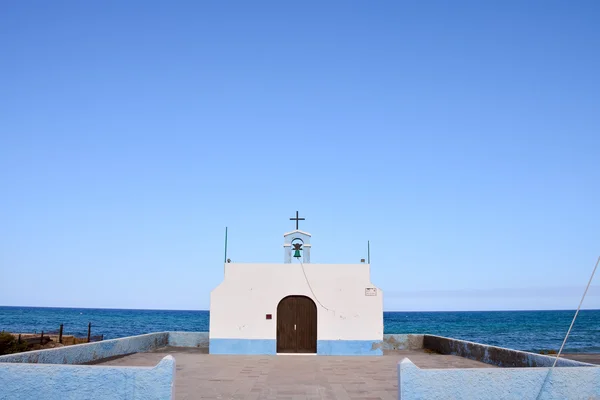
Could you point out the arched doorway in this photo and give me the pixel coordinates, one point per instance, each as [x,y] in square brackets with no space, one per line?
[296,325]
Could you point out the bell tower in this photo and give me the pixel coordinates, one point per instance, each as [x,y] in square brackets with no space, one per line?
[296,244]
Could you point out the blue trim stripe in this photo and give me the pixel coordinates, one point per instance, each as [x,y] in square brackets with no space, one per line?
[269,347]
[242,346]
[350,347]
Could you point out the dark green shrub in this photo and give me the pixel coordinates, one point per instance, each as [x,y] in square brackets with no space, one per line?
[9,344]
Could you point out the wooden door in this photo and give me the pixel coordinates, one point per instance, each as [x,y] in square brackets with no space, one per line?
[306,322]
[296,325]
[286,325]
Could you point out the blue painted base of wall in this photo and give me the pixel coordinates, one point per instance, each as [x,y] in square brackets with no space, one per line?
[350,347]
[242,346]
[269,347]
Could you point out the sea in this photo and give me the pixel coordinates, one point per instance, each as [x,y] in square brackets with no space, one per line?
[523,330]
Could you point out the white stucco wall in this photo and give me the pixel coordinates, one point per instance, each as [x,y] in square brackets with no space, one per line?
[238,306]
[415,383]
[75,382]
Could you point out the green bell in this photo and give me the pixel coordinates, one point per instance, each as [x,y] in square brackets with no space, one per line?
[297,248]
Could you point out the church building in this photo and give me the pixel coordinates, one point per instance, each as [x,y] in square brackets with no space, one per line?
[296,306]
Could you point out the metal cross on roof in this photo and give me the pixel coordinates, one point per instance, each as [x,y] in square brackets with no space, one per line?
[297,219]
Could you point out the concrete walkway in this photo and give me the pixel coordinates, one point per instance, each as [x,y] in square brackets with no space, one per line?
[293,377]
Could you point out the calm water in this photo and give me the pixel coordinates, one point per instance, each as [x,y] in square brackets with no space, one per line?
[524,330]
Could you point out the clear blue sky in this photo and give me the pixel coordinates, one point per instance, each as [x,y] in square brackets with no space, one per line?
[461,138]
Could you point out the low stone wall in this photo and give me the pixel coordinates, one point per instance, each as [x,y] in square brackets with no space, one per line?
[64,382]
[27,375]
[90,352]
[497,383]
[188,339]
[402,342]
[499,356]
[93,352]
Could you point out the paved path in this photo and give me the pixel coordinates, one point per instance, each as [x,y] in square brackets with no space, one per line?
[292,377]
[592,358]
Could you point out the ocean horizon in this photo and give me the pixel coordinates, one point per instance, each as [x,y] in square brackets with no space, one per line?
[529,330]
[385,311]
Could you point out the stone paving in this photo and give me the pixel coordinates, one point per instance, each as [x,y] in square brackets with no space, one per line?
[292,377]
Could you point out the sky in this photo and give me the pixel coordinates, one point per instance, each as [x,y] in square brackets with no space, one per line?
[460,138]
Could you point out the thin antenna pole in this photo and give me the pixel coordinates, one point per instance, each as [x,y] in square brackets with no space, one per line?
[368,252]
[576,312]
[225,261]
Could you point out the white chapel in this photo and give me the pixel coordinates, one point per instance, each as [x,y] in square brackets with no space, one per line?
[297,306]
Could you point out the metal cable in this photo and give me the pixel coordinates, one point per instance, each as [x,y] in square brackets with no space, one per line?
[311,289]
[569,331]
[576,312]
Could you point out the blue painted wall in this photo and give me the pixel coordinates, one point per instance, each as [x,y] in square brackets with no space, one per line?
[243,346]
[66,382]
[349,348]
[269,347]
[497,383]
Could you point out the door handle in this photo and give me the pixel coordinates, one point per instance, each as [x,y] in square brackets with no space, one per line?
[294,326]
